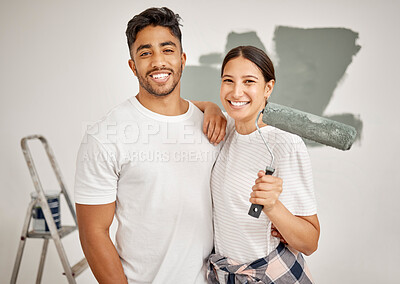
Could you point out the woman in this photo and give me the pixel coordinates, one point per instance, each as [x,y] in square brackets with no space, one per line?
[246,252]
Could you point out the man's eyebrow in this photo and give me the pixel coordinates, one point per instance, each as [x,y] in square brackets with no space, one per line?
[165,43]
[143,46]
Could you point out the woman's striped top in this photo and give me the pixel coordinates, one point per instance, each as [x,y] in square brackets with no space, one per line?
[238,235]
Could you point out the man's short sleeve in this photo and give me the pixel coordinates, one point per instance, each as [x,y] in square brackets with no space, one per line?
[96,177]
[298,188]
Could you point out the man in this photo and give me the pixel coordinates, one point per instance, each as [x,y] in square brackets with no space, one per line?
[149,163]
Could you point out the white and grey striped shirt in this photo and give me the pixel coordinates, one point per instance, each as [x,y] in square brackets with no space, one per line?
[238,235]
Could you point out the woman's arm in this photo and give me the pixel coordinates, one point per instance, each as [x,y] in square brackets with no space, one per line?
[214,124]
[300,232]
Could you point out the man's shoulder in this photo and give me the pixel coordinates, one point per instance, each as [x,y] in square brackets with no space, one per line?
[196,110]
[121,114]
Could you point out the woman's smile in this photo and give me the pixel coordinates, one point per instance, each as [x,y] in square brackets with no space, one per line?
[238,104]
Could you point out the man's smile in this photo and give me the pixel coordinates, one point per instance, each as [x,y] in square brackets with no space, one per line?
[160,76]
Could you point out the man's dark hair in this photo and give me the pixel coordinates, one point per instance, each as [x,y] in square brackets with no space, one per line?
[154,17]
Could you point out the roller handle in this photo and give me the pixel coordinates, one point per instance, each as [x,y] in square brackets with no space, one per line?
[256,209]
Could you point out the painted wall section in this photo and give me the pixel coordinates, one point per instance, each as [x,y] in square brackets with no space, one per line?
[310,64]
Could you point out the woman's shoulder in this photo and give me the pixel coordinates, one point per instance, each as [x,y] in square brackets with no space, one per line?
[284,140]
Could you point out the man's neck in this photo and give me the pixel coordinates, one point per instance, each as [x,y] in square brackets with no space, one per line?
[170,105]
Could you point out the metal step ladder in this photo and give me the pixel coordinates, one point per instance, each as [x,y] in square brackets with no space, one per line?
[54,234]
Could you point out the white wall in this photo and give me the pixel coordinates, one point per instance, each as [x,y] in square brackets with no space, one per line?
[64,63]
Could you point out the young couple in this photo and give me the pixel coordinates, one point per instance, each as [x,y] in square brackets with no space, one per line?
[173,198]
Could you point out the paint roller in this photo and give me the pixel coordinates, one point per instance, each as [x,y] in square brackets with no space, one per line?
[313,127]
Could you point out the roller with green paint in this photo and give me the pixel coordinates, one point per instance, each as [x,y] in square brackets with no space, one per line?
[310,126]
[313,127]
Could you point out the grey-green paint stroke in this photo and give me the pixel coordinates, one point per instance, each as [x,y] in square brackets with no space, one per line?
[311,64]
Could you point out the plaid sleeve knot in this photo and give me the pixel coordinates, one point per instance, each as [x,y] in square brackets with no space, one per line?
[284,265]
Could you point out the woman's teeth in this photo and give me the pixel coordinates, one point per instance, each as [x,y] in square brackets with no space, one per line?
[238,103]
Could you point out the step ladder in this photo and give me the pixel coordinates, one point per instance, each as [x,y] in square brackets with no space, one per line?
[54,234]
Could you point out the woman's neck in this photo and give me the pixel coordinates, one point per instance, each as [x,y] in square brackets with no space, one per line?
[249,126]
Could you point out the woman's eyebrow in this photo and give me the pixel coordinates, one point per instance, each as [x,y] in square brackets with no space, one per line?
[251,76]
[245,76]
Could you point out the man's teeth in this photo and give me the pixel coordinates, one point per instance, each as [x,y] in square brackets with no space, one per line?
[238,103]
[160,76]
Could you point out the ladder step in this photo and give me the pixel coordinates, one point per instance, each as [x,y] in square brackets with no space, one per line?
[79,267]
[63,231]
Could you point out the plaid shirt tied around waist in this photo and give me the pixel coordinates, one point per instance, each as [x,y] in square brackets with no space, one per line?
[282,266]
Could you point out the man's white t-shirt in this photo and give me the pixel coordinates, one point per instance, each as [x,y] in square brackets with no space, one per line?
[157,168]
[237,235]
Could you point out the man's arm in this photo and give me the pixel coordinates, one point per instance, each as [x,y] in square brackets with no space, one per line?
[214,125]
[94,222]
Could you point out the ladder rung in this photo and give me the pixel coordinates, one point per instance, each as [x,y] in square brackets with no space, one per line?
[65,230]
[79,267]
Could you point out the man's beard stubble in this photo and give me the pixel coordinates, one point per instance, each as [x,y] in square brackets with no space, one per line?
[144,83]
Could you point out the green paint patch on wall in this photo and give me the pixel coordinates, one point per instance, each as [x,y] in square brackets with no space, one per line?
[311,63]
